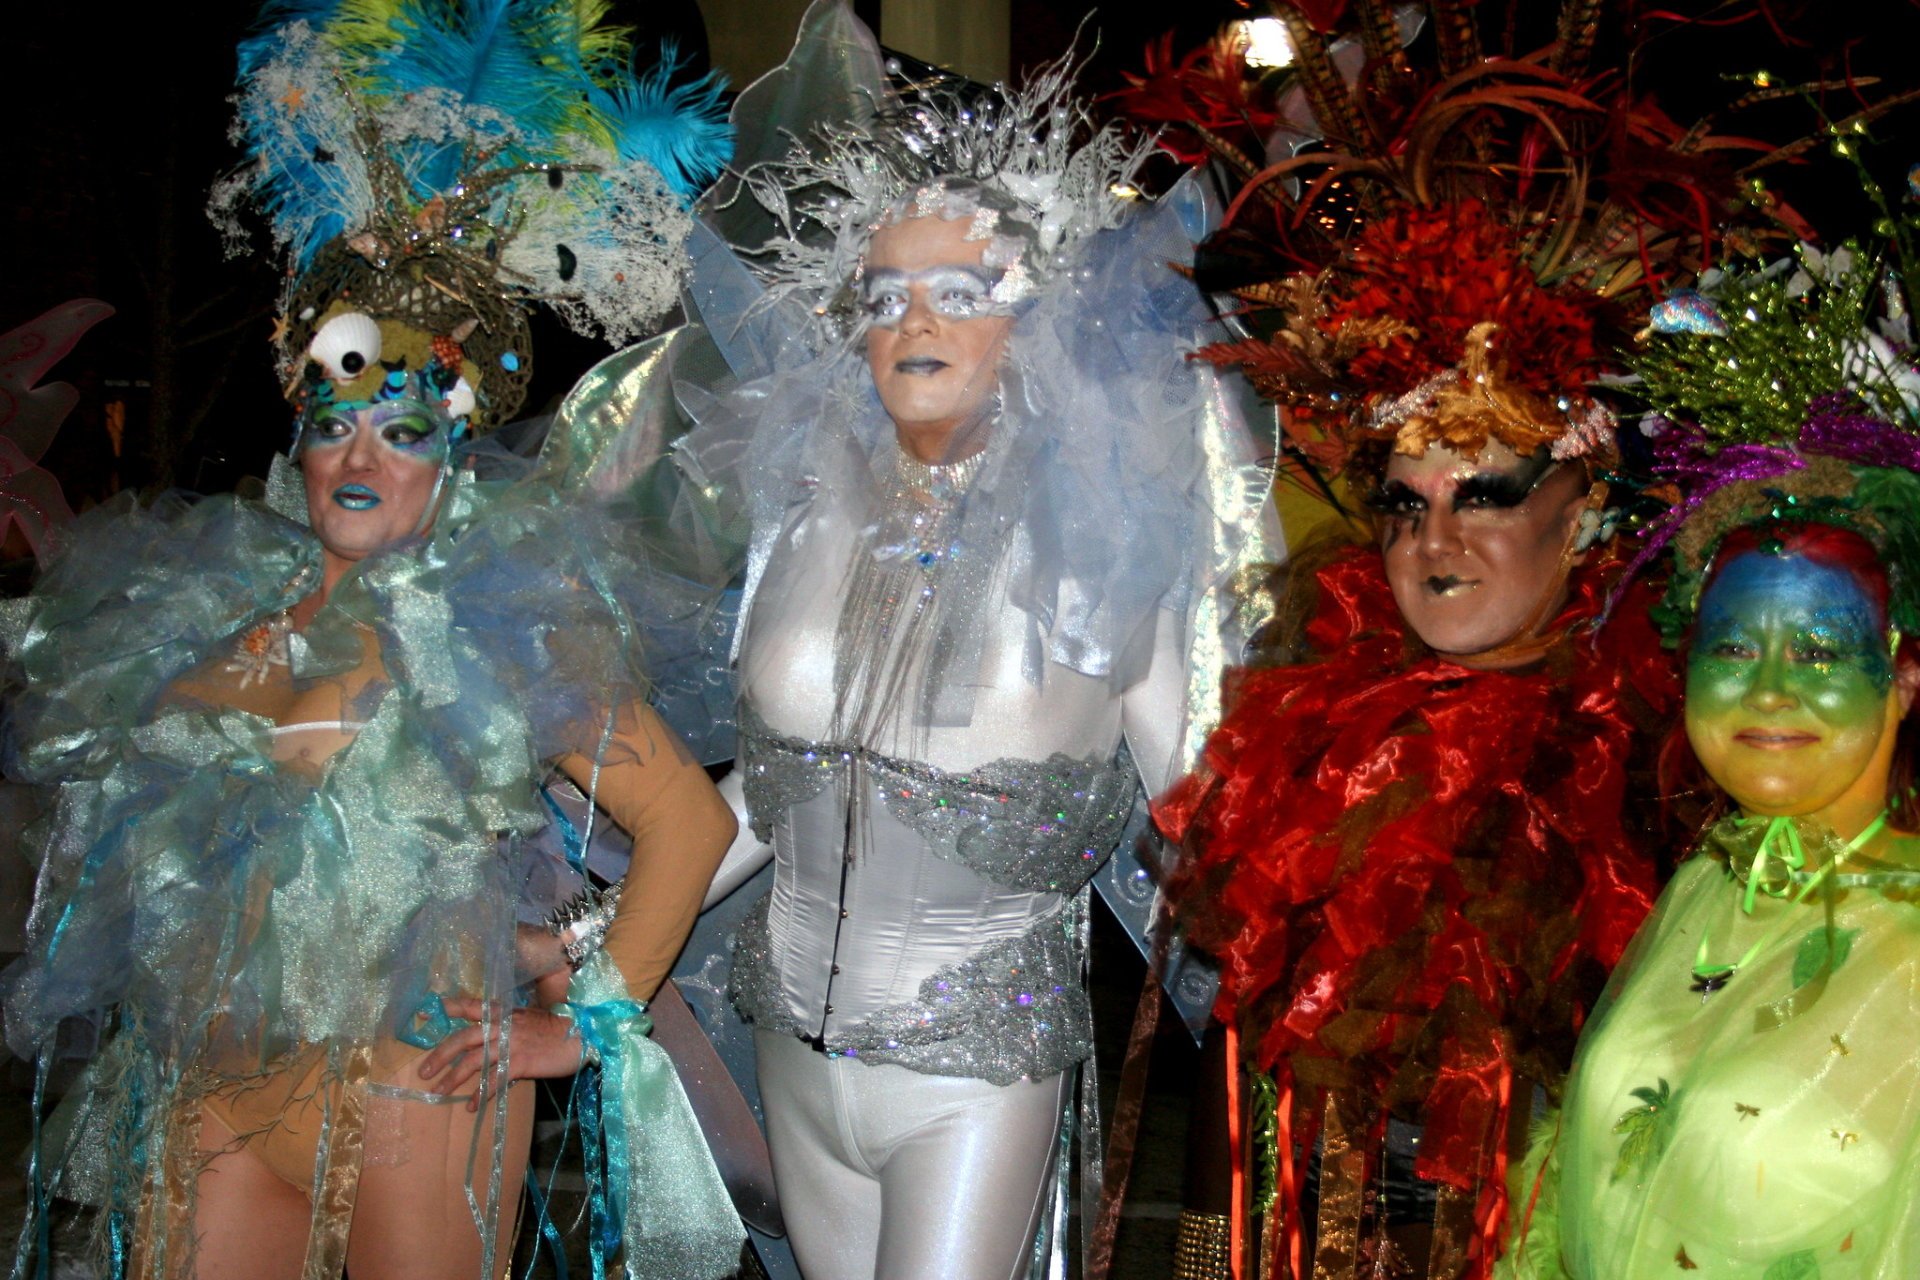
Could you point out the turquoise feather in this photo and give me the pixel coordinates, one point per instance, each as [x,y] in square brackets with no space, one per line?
[492,53]
[444,93]
[681,130]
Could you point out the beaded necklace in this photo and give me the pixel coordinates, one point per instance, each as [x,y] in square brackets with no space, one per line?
[892,589]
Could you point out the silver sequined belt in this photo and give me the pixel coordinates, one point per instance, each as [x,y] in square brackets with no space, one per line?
[1029,825]
[1014,1009]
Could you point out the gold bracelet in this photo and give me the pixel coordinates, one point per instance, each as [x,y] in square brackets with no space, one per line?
[1203,1249]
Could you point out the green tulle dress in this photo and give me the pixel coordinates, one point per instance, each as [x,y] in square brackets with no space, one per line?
[1769,1128]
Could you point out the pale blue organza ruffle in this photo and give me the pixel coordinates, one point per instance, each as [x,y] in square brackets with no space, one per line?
[200,910]
[1098,498]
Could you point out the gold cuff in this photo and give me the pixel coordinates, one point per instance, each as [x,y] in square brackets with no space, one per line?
[1203,1249]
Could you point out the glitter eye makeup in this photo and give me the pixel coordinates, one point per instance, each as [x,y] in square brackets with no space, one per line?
[1393,498]
[1489,489]
[330,427]
[1499,490]
[952,291]
[412,432]
[406,427]
[1806,614]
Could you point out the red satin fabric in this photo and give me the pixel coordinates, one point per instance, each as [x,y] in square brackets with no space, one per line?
[1415,872]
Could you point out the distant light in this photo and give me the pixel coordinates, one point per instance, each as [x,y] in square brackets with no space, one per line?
[1124,191]
[1265,41]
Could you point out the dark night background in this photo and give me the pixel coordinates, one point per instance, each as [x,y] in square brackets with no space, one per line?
[118,120]
[115,127]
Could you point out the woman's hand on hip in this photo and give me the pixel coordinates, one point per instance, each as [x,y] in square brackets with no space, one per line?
[542,1046]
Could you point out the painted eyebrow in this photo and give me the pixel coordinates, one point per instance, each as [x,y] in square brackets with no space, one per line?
[890,277]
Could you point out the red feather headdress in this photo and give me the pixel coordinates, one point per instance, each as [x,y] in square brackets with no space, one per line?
[1442,250]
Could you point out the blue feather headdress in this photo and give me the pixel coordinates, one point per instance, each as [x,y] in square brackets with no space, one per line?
[478,156]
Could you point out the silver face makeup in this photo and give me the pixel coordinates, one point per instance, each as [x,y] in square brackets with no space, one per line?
[952,290]
[935,350]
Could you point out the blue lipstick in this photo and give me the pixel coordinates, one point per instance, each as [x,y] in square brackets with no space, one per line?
[356,497]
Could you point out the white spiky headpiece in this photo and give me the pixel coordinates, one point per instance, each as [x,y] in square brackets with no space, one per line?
[1026,167]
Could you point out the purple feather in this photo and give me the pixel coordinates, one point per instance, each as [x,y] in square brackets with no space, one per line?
[1836,427]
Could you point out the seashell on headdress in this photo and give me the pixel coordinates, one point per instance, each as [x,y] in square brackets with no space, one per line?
[444,166]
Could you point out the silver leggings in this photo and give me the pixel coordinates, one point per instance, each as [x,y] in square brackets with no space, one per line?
[888,1174]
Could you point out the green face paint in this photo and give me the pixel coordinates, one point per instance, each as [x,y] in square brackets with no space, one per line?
[1787,682]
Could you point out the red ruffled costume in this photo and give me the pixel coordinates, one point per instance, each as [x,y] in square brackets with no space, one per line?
[1415,875]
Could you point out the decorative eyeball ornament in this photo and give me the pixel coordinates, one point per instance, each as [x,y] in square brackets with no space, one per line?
[356,360]
[346,345]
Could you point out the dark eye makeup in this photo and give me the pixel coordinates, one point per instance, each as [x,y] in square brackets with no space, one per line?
[405,432]
[1495,490]
[331,424]
[1481,491]
[1393,498]
[410,430]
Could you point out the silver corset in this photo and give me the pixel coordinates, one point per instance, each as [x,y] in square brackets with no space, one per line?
[974,969]
[1033,825]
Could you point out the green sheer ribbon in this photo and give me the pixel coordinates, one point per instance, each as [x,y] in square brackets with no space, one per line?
[1776,865]
[659,1183]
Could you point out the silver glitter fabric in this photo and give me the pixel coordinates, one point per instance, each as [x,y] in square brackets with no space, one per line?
[1014,1010]
[1027,169]
[1034,825]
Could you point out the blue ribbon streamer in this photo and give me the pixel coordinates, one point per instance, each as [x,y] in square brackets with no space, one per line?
[569,834]
[603,1229]
[652,1178]
[39,1230]
[549,1234]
